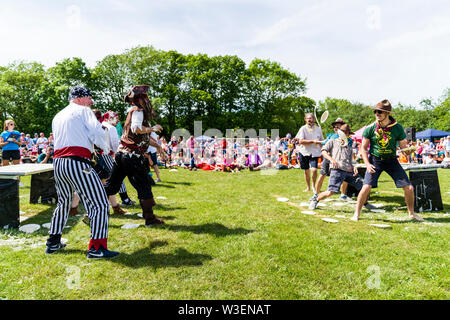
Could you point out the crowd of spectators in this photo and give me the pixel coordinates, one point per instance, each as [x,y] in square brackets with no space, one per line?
[233,155]
[38,149]
[228,154]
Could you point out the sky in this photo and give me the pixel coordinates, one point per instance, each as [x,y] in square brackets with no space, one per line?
[360,50]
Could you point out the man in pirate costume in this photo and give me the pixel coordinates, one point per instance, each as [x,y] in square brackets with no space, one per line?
[76,130]
[103,162]
[130,158]
[383,136]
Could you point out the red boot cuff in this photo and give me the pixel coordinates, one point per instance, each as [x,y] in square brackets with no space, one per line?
[96,243]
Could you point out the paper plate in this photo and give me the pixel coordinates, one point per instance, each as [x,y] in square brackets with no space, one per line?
[140,215]
[29,228]
[161,198]
[173,170]
[308,212]
[383,226]
[46,225]
[340,216]
[330,220]
[321,204]
[130,226]
[378,210]
[343,137]
[21,212]
[324,117]
[283,199]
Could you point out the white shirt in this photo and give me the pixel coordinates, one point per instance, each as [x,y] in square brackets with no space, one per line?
[136,120]
[152,149]
[307,133]
[77,126]
[113,137]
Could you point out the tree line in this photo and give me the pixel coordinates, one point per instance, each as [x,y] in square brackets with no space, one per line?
[221,91]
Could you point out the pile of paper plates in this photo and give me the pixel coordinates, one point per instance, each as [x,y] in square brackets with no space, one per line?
[330,220]
[29,228]
[283,199]
[130,226]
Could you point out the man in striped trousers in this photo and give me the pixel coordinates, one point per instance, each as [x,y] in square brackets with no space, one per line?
[76,130]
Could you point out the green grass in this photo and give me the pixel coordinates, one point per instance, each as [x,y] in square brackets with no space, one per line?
[227,237]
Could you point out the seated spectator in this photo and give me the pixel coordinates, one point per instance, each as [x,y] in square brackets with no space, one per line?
[27,157]
[46,156]
[283,162]
[402,158]
[429,159]
[253,160]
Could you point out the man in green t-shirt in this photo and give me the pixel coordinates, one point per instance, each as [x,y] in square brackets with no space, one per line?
[383,136]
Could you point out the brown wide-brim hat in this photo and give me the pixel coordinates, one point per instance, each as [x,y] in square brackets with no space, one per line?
[138,91]
[383,105]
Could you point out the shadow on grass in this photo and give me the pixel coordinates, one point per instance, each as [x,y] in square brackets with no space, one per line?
[145,258]
[388,199]
[177,182]
[163,186]
[215,229]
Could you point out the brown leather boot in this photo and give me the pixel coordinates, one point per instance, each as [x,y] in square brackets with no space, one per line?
[147,212]
[118,210]
[73,211]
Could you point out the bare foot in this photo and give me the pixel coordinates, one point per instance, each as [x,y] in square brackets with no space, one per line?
[307,190]
[354,218]
[416,217]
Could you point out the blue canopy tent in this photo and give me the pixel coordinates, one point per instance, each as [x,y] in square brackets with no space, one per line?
[431,134]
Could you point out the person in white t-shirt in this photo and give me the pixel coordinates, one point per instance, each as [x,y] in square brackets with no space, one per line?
[151,151]
[309,137]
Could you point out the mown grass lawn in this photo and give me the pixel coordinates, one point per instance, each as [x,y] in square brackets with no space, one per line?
[227,237]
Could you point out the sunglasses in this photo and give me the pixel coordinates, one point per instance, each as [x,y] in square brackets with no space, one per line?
[378,112]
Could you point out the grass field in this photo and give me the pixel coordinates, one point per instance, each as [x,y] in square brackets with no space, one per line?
[227,237]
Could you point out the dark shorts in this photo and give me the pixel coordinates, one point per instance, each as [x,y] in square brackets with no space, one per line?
[154,158]
[325,168]
[392,168]
[308,161]
[338,176]
[11,155]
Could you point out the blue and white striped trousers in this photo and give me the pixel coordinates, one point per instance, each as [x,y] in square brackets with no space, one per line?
[73,175]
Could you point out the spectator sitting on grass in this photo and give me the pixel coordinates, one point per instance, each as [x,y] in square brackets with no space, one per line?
[27,157]
[46,156]
[283,162]
[429,159]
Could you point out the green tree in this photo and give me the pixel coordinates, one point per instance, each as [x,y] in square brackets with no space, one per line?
[21,98]
[265,83]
